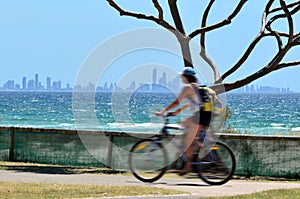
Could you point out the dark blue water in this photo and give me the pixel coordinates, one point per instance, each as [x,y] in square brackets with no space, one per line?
[262,114]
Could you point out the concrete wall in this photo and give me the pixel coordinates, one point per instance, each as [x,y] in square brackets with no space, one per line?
[255,155]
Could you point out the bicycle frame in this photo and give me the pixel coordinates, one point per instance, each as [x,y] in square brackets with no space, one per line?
[214,162]
[165,134]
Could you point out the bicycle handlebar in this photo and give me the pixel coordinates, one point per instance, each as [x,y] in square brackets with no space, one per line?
[169,114]
[172,126]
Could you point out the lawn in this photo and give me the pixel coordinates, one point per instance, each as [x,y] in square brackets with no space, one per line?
[16,190]
[272,194]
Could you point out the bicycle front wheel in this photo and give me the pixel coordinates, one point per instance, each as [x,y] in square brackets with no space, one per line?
[216,164]
[148,160]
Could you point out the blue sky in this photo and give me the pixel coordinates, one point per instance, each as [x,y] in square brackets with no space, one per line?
[54,38]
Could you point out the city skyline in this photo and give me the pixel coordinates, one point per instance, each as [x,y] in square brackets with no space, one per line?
[28,84]
[160,83]
[35,83]
[261,89]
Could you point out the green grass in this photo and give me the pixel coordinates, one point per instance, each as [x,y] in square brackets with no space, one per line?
[11,190]
[271,194]
[16,190]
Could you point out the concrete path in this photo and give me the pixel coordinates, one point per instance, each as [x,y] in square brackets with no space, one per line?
[194,186]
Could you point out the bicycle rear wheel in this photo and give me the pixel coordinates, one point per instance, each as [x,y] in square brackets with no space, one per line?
[217,164]
[148,160]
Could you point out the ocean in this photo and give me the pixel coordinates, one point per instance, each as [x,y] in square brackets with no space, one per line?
[260,114]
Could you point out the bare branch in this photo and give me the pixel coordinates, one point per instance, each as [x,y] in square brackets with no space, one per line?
[290,5]
[183,40]
[296,40]
[141,16]
[220,24]
[276,17]
[243,58]
[287,64]
[287,14]
[290,21]
[268,6]
[285,11]
[272,66]
[261,34]
[203,53]
[210,62]
[295,10]
[176,16]
[159,9]
[265,26]
[178,31]
[225,87]
[203,24]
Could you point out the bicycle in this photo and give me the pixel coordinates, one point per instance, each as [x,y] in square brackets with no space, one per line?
[214,161]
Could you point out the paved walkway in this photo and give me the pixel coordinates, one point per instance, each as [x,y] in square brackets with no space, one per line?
[195,187]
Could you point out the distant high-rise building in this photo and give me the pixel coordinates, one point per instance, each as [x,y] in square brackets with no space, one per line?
[55,85]
[24,83]
[10,84]
[36,81]
[132,86]
[48,83]
[41,87]
[154,76]
[111,87]
[59,85]
[30,84]
[105,87]
[17,86]
[163,79]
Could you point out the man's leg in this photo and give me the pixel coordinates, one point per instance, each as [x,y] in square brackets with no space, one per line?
[191,134]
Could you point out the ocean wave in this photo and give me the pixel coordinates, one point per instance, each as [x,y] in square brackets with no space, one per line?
[277,124]
[296,129]
[65,125]
[135,125]
[20,118]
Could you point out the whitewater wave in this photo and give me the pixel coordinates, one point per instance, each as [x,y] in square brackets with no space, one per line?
[296,129]
[20,118]
[146,125]
[277,124]
[65,125]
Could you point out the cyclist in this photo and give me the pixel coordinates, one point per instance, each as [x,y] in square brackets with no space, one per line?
[197,121]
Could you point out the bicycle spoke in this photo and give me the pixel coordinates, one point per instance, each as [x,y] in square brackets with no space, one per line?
[148,160]
[218,166]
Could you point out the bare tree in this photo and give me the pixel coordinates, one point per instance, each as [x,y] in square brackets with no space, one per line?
[285,40]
